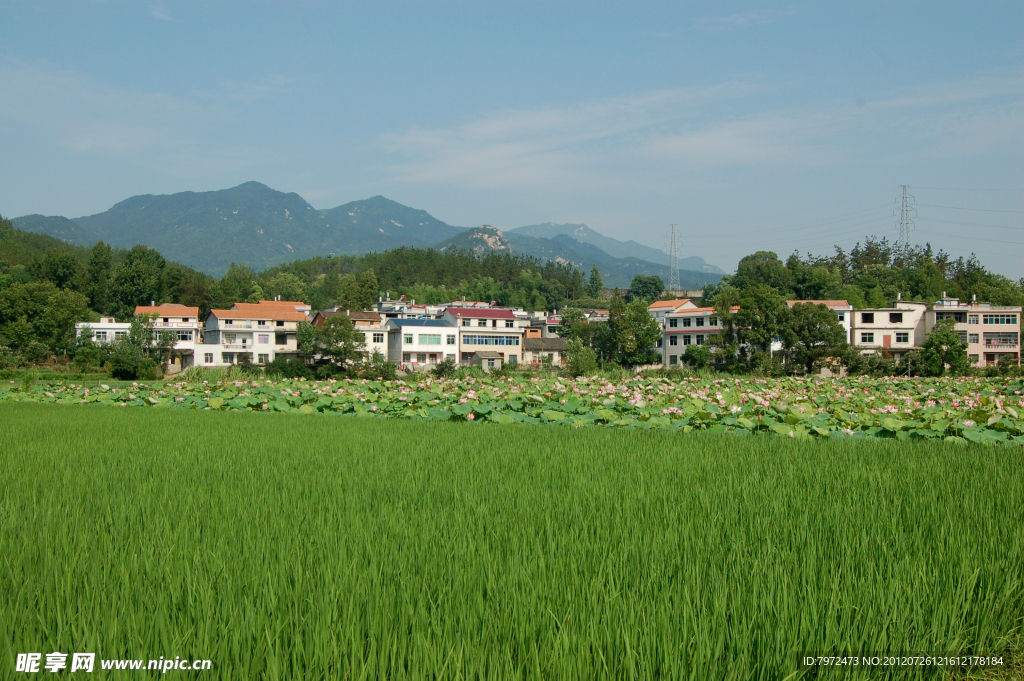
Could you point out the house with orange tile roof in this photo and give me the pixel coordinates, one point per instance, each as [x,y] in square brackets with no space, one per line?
[252,332]
[180,321]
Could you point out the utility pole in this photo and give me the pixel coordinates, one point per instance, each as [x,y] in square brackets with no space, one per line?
[906,223]
[673,261]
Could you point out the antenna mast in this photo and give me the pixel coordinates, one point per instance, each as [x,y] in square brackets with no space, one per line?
[673,261]
[906,223]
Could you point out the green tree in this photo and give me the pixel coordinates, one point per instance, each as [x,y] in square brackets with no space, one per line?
[596,283]
[813,333]
[646,288]
[579,359]
[635,333]
[763,267]
[725,345]
[762,315]
[944,352]
[697,356]
[339,342]
[58,266]
[138,280]
[97,278]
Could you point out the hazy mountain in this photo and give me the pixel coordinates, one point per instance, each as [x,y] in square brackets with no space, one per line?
[622,249]
[479,240]
[250,223]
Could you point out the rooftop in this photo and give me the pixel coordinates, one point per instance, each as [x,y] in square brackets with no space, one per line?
[168,310]
[667,304]
[399,323]
[254,311]
[487,354]
[473,313]
[550,344]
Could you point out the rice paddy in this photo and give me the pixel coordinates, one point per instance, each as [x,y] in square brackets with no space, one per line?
[285,547]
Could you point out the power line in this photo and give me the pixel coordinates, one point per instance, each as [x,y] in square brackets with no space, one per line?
[970,224]
[971,237]
[985,210]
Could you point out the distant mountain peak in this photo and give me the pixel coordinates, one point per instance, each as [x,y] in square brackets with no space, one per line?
[479,240]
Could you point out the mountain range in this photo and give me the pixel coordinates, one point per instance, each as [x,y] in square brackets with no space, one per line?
[262,227]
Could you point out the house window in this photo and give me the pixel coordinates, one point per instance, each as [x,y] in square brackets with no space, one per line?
[687,339]
[842,316]
[686,321]
[262,359]
[999,319]
[421,357]
[405,356]
[973,358]
[465,322]
[433,358]
[972,319]
[867,317]
[699,339]
[867,338]
[700,322]
[430,339]
[185,319]
[167,320]
[281,338]
[512,359]
[227,357]
[451,357]
[673,359]
[208,358]
[378,337]
[658,344]
[903,337]
[280,323]
[261,322]
[672,323]
[714,321]
[118,335]
[973,338]
[481,322]
[184,335]
[510,323]
[895,317]
[963,336]
[101,335]
[229,321]
[673,340]
[407,338]
[450,340]
[490,362]
[263,338]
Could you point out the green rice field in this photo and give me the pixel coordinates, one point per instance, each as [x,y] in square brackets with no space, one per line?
[280,546]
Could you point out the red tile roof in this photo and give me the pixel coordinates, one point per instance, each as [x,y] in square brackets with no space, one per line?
[660,304]
[168,310]
[276,314]
[471,313]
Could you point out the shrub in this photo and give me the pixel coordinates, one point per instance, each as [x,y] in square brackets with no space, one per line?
[580,360]
[123,362]
[378,366]
[288,368]
[444,369]
[697,356]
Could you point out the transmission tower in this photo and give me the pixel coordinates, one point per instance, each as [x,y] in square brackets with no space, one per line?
[673,260]
[907,215]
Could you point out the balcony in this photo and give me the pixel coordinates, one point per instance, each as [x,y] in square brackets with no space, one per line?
[1000,346]
[237,346]
[175,325]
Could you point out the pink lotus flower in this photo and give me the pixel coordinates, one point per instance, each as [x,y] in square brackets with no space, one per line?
[470,417]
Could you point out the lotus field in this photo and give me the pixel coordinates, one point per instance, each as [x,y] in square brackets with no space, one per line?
[979,410]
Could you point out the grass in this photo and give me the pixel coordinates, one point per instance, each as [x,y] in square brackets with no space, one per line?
[283,547]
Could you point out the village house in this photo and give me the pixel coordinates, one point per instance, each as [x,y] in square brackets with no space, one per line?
[990,331]
[252,332]
[893,330]
[418,344]
[541,351]
[494,329]
[683,323]
[181,321]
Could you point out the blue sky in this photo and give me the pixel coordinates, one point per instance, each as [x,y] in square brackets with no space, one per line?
[751,126]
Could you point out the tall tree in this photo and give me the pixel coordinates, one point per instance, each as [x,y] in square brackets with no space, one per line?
[811,334]
[98,275]
[944,352]
[646,288]
[596,283]
[762,315]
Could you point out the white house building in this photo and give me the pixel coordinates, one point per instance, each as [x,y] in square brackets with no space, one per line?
[491,329]
[180,320]
[419,344]
[251,332]
[894,330]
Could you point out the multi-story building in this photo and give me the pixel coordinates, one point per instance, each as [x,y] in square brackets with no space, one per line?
[181,321]
[251,332]
[990,331]
[894,330]
[683,323]
[494,329]
[418,344]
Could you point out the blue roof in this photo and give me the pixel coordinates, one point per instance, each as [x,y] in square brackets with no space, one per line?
[399,323]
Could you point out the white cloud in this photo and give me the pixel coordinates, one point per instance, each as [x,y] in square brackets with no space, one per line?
[642,139]
[742,19]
